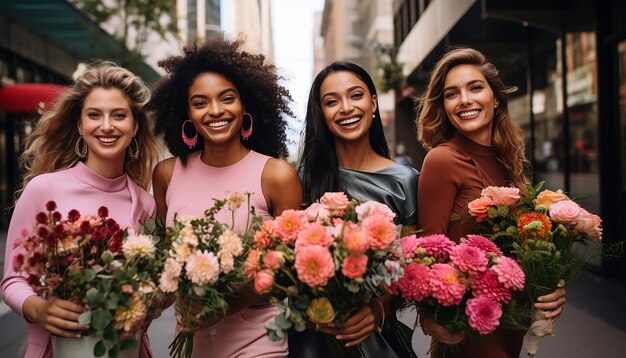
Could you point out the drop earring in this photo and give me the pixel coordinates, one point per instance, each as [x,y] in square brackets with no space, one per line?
[191,142]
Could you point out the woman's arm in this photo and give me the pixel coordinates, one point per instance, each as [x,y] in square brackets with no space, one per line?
[436,191]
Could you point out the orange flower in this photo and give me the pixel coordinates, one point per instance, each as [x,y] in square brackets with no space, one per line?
[534,226]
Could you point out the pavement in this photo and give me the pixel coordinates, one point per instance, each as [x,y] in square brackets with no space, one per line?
[592,325]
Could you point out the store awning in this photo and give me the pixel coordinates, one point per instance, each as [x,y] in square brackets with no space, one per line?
[29,97]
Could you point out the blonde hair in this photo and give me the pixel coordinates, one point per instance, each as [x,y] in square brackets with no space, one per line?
[434,128]
[51,145]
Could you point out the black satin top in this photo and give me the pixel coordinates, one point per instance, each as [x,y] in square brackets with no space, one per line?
[395,186]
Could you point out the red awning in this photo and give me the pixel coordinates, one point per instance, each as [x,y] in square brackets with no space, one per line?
[27,97]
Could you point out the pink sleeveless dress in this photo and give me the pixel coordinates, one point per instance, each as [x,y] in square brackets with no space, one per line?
[190,192]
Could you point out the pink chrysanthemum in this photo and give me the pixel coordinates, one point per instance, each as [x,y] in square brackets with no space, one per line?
[263,236]
[482,243]
[509,273]
[447,284]
[483,314]
[252,265]
[289,224]
[381,231]
[314,265]
[408,245]
[469,259]
[314,234]
[437,246]
[487,284]
[414,285]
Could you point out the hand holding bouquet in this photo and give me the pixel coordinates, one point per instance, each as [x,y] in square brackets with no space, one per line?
[328,260]
[203,267]
[540,231]
[88,260]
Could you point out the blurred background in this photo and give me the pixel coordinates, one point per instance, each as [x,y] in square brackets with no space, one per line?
[567,58]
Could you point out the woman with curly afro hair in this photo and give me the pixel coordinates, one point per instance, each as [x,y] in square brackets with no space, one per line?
[220,110]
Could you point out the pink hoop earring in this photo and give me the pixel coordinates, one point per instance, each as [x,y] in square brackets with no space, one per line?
[245,134]
[191,142]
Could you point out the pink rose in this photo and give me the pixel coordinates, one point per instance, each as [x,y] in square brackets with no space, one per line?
[565,212]
[355,239]
[478,208]
[589,224]
[371,208]
[274,260]
[354,266]
[317,212]
[336,202]
[501,195]
[263,281]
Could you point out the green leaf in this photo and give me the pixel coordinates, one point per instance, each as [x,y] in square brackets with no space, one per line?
[93,298]
[100,319]
[89,275]
[112,301]
[99,350]
[149,226]
[85,318]
[282,322]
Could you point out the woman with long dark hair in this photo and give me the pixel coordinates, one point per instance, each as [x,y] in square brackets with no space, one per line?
[345,150]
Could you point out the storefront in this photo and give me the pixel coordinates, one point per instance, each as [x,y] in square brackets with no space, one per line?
[568,60]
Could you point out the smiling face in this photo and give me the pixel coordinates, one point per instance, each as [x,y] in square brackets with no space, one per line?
[107,126]
[215,108]
[347,105]
[469,103]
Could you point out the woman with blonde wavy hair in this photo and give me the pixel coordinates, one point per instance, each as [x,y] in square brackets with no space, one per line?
[463,119]
[94,148]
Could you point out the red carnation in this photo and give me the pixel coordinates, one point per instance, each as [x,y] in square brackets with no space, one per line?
[112,225]
[84,228]
[42,232]
[103,212]
[115,246]
[73,215]
[99,235]
[18,261]
[56,216]
[51,205]
[42,218]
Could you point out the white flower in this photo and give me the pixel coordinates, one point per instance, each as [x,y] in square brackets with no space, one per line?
[235,200]
[227,262]
[231,243]
[138,245]
[202,268]
[180,251]
[168,283]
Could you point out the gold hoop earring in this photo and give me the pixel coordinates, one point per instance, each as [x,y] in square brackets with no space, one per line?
[80,150]
[133,154]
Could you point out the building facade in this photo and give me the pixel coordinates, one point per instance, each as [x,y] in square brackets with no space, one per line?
[568,61]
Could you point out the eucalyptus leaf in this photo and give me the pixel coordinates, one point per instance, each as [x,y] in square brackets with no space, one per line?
[99,350]
[85,318]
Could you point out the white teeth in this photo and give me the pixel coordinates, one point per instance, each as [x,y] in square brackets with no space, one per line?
[349,120]
[107,139]
[218,124]
[469,114]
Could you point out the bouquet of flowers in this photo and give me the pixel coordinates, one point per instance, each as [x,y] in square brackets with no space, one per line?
[91,261]
[466,287]
[328,260]
[204,268]
[540,231]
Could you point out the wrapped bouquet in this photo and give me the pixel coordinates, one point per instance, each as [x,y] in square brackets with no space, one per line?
[91,261]
[540,231]
[328,261]
[203,268]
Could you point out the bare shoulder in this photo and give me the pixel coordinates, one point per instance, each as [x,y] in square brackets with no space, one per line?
[279,172]
[163,171]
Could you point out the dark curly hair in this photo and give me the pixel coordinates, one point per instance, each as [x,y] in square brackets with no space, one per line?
[257,82]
